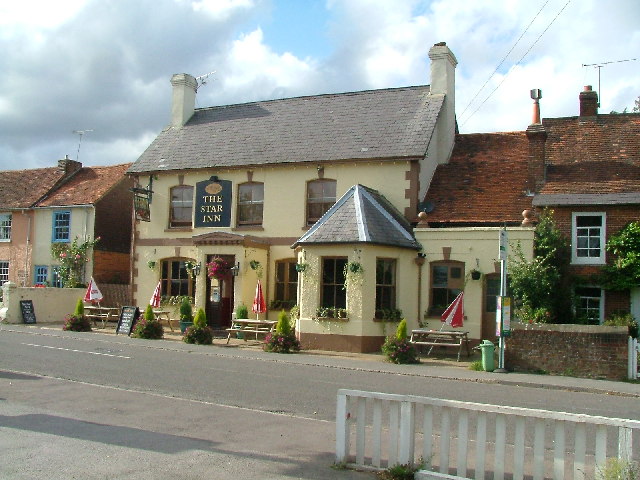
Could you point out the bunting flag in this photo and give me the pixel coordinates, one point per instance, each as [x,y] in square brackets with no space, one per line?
[454,314]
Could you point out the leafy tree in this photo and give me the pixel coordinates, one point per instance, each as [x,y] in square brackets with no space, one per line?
[624,273]
[542,287]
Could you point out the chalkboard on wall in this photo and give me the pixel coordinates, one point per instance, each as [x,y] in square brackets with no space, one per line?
[28,313]
[128,318]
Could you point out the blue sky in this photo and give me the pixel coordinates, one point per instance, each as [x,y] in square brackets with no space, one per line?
[105,65]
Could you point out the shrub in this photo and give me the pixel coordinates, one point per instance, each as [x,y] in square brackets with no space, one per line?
[242,311]
[398,349]
[186,311]
[149,327]
[199,333]
[77,323]
[616,469]
[283,340]
[624,320]
[79,311]
[400,472]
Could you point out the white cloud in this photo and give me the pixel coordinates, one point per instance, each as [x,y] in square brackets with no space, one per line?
[221,9]
[45,14]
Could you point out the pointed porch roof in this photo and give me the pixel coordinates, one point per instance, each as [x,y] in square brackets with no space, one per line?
[361,215]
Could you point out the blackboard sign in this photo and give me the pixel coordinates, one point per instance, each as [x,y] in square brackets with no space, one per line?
[28,313]
[128,318]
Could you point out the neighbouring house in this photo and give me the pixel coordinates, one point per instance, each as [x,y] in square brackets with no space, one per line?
[587,169]
[312,195]
[47,206]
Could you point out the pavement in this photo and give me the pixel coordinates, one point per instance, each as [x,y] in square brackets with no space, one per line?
[442,367]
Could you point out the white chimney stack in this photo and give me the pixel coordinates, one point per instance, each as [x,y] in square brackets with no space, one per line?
[443,82]
[184,98]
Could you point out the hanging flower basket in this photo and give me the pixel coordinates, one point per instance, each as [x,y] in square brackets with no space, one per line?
[218,268]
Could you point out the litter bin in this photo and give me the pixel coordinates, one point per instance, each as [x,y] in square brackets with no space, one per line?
[487,348]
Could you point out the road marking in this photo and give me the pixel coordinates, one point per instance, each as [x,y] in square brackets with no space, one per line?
[72,350]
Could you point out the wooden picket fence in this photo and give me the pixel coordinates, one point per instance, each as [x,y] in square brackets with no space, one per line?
[473,440]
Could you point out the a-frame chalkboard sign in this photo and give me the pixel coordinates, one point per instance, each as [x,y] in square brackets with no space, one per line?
[28,313]
[128,318]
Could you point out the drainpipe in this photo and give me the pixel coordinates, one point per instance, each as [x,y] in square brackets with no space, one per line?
[420,259]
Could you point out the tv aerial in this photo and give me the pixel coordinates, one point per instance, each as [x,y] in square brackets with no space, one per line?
[202,79]
[81,133]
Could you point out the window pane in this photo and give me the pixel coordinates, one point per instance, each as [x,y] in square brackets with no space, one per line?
[321,195]
[5,227]
[332,290]
[181,206]
[440,276]
[61,226]
[250,203]
[589,221]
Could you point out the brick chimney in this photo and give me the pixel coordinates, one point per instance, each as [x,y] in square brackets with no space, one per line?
[184,98]
[537,135]
[68,166]
[588,102]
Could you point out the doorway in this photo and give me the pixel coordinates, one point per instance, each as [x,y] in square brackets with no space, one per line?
[491,289]
[220,296]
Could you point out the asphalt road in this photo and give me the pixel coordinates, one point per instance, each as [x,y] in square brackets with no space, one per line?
[103,406]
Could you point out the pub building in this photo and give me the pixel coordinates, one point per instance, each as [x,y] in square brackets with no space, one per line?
[317,197]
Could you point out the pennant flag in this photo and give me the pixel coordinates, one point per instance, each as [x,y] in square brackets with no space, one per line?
[454,314]
[93,293]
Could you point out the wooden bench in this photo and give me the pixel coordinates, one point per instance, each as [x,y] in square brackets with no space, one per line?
[245,326]
[440,338]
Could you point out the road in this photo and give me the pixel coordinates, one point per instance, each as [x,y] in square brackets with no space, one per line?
[79,405]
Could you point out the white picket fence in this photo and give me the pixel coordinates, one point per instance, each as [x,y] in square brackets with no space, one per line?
[490,441]
[634,348]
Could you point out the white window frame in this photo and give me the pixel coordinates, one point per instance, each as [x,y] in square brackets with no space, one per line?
[574,239]
[5,226]
[601,305]
[4,271]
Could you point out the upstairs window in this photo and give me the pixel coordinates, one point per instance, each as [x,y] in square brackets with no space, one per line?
[588,238]
[385,284]
[333,293]
[447,281]
[61,226]
[321,195]
[5,227]
[250,203]
[181,209]
[286,284]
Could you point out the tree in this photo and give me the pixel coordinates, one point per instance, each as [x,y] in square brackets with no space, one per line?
[624,272]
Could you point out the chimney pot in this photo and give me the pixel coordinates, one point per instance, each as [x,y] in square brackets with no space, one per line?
[536,95]
[588,102]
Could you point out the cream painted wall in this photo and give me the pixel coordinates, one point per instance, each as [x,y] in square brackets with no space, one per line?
[82,226]
[477,248]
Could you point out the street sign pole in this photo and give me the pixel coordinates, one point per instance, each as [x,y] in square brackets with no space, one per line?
[504,304]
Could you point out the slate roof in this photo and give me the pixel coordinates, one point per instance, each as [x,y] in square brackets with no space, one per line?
[592,159]
[374,124]
[87,186]
[23,188]
[484,182]
[361,215]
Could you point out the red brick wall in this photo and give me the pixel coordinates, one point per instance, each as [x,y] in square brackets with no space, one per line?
[578,350]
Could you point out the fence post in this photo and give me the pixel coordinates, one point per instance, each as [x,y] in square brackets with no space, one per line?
[407,432]
[342,429]
[632,369]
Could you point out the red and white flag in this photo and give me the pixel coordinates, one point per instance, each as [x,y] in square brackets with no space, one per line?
[156,297]
[93,293]
[454,314]
[259,306]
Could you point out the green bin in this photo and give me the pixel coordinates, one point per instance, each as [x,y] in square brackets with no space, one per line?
[487,348]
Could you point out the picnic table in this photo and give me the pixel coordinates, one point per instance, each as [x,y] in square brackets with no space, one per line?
[104,314]
[163,314]
[440,338]
[246,326]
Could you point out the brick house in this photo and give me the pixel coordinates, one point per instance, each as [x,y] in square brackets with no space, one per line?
[587,169]
[43,206]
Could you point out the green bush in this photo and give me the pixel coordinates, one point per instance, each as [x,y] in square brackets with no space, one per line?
[149,327]
[186,311]
[283,340]
[200,320]
[283,327]
[79,311]
[624,320]
[398,349]
[242,311]
[616,469]
[200,336]
[77,323]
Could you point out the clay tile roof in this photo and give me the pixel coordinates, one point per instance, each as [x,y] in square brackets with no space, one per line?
[22,188]
[374,124]
[361,215]
[483,183]
[87,186]
[598,155]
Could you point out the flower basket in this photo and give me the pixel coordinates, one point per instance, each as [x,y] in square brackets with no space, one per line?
[218,268]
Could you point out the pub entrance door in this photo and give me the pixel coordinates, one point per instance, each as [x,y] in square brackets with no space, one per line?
[491,289]
[220,296]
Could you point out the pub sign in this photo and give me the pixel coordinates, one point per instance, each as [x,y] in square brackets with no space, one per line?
[213,203]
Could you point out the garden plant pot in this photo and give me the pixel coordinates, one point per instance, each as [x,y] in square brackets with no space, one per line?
[184,325]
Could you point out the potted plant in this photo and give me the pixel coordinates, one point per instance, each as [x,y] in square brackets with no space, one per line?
[283,340]
[475,274]
[186,314]
[218,268]
[199,332]
[301,267]
[241,312]
[77,322]
[149,327]
[398,349]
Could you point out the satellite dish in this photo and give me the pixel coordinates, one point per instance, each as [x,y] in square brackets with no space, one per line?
[426,207]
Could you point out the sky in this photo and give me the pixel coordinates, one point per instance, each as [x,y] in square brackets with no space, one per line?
[90,78]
